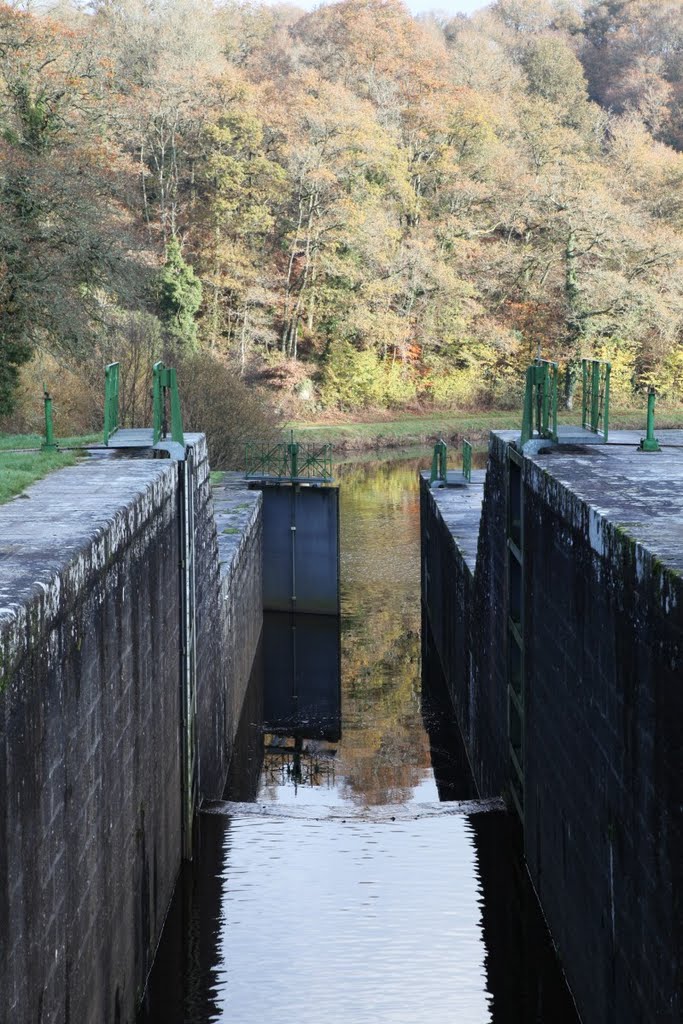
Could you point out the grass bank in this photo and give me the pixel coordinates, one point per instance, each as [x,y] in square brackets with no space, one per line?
[413,429]
[19,469]
[406,430]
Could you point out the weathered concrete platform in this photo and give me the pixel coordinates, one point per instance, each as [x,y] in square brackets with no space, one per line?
[235,507]
[460,508]
[639,492]
[78,518]
[134,437]
[577,435]
[553,599]
[141,440]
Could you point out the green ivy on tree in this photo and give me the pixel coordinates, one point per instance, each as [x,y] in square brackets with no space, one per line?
[180,296]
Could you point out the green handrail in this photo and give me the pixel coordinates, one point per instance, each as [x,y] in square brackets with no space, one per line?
[467,460]
[439,462]
[165,389]
[595,374]
[548,414]
[288,460]
[539,417]
[111,400]
[176,416]
[157,402]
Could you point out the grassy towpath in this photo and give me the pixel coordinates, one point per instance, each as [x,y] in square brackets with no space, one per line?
[408,429]
[20,468]
[405,430]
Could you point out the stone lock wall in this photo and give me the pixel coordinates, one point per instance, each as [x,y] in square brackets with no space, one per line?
[603,707]
[89,715]
[464,612]
[90,720]
[229,617]
[604,714]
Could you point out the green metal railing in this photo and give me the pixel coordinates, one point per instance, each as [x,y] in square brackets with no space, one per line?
[439,462]
[650,442]
[539,418]
[165,391]
[467,461]
[111,400]
[288,460]
[595,396]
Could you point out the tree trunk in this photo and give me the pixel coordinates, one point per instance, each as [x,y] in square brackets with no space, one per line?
[574,329]
[243,341]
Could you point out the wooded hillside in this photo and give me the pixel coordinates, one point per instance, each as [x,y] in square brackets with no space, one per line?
[352,206]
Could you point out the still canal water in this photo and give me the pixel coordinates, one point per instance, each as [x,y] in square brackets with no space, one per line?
[344,883]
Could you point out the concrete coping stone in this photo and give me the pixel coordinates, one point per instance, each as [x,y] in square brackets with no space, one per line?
[65,528]
[236,507]
[57,518]
[460,510]
[615,488]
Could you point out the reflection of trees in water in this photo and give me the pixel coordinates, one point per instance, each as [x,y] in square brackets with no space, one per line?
[297,762]
[384,750]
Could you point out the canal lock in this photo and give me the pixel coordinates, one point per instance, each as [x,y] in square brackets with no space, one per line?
[351,873]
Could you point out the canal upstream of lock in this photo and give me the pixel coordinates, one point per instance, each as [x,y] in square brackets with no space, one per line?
[352,875]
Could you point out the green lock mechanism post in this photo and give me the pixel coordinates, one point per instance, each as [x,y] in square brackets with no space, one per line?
[649,443]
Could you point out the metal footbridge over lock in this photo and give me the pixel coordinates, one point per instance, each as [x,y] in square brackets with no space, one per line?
[539,416]
[288,462]
[166,432]
[440,474]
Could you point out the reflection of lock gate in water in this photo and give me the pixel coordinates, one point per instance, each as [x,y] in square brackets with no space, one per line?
[302,676]
[299,764]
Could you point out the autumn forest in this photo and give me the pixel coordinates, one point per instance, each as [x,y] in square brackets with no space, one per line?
[350,208]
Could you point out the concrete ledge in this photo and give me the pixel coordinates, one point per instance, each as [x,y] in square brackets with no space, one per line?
[460,511]
[63,531]
[236,509]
